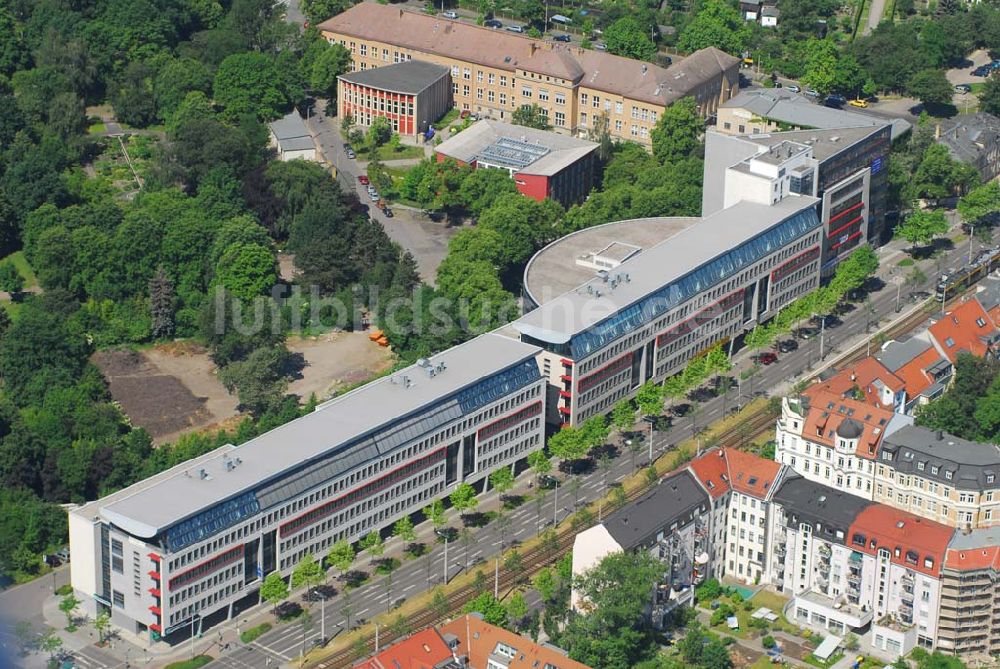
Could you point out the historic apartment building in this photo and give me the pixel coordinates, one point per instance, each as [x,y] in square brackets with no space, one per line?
[493,72]
[187,547]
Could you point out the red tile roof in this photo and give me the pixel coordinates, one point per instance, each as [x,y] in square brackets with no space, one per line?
[827,411]
[914,373]
[962,329]
[973,558]
[909,539]
[862,375]
[422,650]
[712,471]
[723,469]
[484,640]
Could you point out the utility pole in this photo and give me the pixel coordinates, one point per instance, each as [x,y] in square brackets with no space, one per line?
[444,535]
[555,506]
[972,231]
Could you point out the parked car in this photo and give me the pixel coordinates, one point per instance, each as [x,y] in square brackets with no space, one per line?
[515,29]
[373,194]
[765,358]
[492,23]
[600,46]
[787,346]
[963,88]
[387,212]
[450,14]
[63,554]
[464,114]
[561,38]
[858,103]
[793,88]
[349,152]
[835,100]
[812,92]
[51,561]
[363,180]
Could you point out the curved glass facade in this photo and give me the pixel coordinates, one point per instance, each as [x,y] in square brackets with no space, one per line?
[721,268]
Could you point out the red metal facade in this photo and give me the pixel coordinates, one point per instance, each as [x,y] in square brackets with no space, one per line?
[532,185]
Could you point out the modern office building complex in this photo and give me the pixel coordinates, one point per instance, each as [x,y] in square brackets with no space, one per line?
[623,303]
[193,542]
[494,72]
[542,164]
[846,168]
[411,95]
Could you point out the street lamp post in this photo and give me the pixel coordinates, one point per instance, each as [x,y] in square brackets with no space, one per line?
[444,535]
[555,506]
[972,232]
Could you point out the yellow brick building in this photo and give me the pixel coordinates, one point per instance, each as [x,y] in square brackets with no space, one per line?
[493,72]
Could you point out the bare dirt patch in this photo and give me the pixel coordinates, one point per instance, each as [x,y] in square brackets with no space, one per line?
[168,390]
[335,360]
[174,388]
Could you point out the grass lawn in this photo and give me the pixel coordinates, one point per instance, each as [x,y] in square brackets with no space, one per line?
[193,663]
[762,662]
[96,128]
[24,269]
[816,662]
[406,151]
[450,117]
[13,309]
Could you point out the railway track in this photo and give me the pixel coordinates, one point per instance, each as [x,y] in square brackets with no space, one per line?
[754,423]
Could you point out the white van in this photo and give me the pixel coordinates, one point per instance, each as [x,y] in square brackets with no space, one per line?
[561,20]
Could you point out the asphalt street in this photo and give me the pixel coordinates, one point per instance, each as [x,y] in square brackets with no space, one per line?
[285,642]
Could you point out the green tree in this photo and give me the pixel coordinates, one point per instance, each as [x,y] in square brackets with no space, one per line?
[274,589]
[11,280]
[492,610]
[623,415]
[341,556]
[68,606]
[403,529]
[308,573]
[531,116]
[51,644]
[931,87]
[250,83]
[989,96]
[595,431]
[372,542]
[627,37]
[379,131]
[649,397]
[569,443]
[101,625]
[540,463]
[434,512]
[259,381]
[330,64]
[614,594]
[922,226]
[517,609]
[463,498]
[939,175]
[980,202]
[717,24]
[502,480]
[247,270]
[692,645]
[678,131]
[175,80]
[716,655]
[481,189]
[546,584]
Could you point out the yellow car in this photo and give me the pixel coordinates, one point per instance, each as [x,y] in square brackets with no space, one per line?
[858,103]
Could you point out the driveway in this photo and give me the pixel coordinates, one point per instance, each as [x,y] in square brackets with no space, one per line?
[963,74]
[413,230]
[874,16]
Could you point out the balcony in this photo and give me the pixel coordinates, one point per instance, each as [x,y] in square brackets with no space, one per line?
[156,610]
[780,550]
[155,575]
[855,557]
[824,550]
[155,592]
[908,578]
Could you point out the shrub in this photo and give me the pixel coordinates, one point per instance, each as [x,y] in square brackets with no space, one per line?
[768,642]
[720,614]
[748,605]
[253,633]
[193,663]
[64,590]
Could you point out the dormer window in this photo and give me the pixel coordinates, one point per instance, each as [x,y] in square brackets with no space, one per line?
[947,475]
[949,342]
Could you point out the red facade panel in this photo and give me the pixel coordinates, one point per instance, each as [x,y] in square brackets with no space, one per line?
[532,185]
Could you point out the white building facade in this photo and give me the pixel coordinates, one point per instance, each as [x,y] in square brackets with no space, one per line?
[191,546]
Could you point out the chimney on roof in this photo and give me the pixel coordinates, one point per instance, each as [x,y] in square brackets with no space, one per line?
[534,47]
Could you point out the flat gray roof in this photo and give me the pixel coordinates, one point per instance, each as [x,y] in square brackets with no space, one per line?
[672,500]
[898,353]
[552,152]
[150,506]
[289,126]
[781,104]
[410,77]
[986,537]
[967,462]
[825,142]
[686,250]
[553,270]
[297,144]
